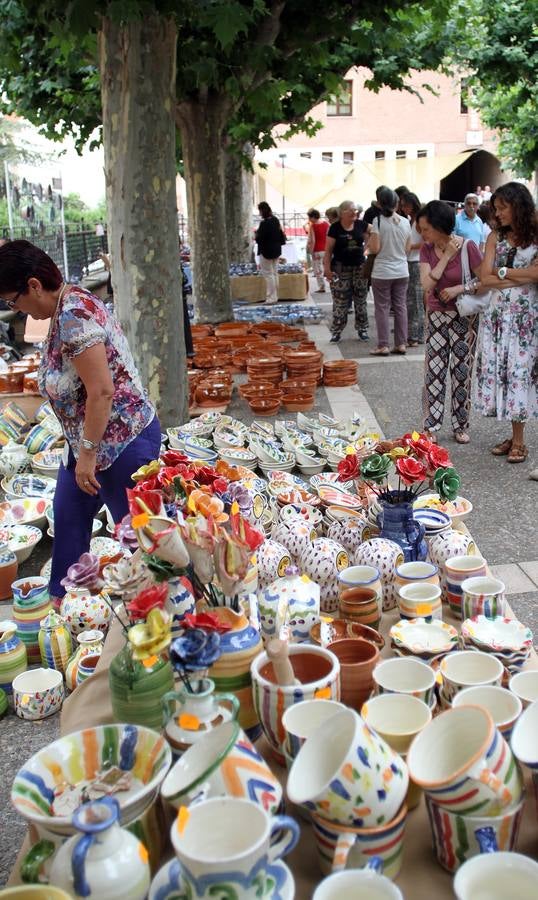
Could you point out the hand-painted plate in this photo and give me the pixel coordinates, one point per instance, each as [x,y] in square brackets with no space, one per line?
[333,496]
[497,633]
[422,637]
[28,486]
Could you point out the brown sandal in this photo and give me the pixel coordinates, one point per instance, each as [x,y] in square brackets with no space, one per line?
[503,448]
[518,453]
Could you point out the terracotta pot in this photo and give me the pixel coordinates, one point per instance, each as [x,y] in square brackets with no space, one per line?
[358,659]
[200,330]
[304,386]
[360,605]
[11,382]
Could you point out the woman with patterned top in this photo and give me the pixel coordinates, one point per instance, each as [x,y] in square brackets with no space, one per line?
[507,358]
[90,379]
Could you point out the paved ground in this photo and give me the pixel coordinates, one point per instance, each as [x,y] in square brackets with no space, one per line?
[503,520]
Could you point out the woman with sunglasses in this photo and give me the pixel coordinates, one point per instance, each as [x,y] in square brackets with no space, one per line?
[90,379]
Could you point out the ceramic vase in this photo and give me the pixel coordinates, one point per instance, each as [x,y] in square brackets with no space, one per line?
[83,610]
[86,667]
[31,603]
[231,672]
[189,717]
[293,601]
[322,561]
[398,525]
[13,655]
[54,642]
[385,556]
[180,601]
[317,674]
[8,571]
[103,860]
[137,688]
[90,643]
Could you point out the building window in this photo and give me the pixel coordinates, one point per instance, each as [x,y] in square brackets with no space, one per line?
[341,104]
[349,156]
[307,154]
[379,154]
[401,154]
[327,156]
[422,154]
[464,96]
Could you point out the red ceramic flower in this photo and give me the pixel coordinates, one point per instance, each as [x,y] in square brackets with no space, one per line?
[349,467]
[245,532]
[420,448]
[438,457]
[208,621]
[173,457]
[141,500]
[220,485]
[151,598]
[410,470]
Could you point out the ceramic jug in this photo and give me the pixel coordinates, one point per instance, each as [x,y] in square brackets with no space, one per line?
[13,656]
[31,603]
[179,602]
[189,717]
[137,688]
[54,642]
[103,861]
[292,601]
[90,643]
[82,610]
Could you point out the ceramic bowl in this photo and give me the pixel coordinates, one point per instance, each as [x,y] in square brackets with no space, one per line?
[525,686]
[47,462]
[21,486]
[30,511]
[76,759]
[22,539]
[524,742]
[423,638]
[457,509]
[503,706]
[498,633]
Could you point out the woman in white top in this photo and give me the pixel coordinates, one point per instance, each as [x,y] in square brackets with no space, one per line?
[390,240]
[410,206]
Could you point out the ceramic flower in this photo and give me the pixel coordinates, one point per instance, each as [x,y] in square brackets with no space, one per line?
[438,457]
[173,458]
[349,467]
[232,558]
[125,534]
[242,496]
[150,637]
[206,620]
[195,650]
[153,597]
[152,468]
[209,506]
[410,470]
[84,574]
[141,500]
[244,531]
[375,467]
[199,535]
[127,577]
[447,483]
[418,443]
[398,452]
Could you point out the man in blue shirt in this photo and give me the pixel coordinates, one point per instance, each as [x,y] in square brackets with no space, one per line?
[468,224]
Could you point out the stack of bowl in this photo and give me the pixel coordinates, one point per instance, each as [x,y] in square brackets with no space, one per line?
[301,363]
[340,373]
[507,639]
[265,368]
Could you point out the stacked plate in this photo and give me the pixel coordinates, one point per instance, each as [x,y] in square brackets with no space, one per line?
[423,638]
[507,639]
[265,368]
[301,363]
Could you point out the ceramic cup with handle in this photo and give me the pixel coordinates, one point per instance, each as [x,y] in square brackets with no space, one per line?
[469,668]
[358,884]
[483,595]
[232,843]
[462,762]
[503,706]
[398,718]
[405,676]
[343,759]
[457,570]
[222,763]
[301,720]
[496,875]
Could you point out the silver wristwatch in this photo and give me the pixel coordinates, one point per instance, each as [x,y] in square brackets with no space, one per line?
[88,445]
[502,272]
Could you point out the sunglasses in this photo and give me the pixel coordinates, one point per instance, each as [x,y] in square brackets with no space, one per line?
[11,303]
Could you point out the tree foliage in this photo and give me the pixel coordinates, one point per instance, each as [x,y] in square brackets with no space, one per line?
[496,44]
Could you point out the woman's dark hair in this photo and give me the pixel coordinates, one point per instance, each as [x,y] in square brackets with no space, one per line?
[388,201]
[440,215]
[378,190]
[21,260]
[402,190]
[264,210]
[485,213]
[313,214]
[524,225]
[411,200]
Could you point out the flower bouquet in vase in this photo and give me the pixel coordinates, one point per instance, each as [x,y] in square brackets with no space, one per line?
[396,473]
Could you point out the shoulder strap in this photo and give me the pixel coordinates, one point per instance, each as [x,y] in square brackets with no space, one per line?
[465,267]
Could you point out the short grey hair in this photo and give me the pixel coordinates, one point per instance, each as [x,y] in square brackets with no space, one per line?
[345,204]
[469,196]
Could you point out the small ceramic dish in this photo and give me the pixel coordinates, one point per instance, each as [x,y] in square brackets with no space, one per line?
[47,462]
[333,496]
[21,539]
[28,486]
[497,633]
[457,509]
[422,637]
[331,479]
[305,511]
[328,630]
[314,469]
[434,520]
[30,511]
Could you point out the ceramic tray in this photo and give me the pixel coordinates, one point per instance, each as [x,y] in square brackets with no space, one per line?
[421,637]
[28,486]
[497,633]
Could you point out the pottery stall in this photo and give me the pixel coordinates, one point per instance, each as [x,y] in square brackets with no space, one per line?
[296,624]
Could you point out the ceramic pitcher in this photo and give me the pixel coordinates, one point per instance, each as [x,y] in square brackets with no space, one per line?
[137,689]
[54,642]
[13,656]
[90,643]
[82,610]
[189,717]
[31,603]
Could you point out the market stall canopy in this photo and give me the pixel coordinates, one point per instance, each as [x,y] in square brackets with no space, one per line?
[326,184]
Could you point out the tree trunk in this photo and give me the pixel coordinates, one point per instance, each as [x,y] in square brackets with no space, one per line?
[239,200]
[138,77]
[202,123]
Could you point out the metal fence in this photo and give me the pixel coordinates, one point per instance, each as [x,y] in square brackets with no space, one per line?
[81,243]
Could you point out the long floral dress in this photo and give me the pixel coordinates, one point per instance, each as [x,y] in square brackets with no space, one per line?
[507,356]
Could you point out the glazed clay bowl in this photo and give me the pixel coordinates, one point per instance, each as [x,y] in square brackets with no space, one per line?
[325,633]
[267,407]
[298,402]
[77,758]
[257,389]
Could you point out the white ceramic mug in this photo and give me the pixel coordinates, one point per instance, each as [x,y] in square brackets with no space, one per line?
[233,843]
[525,686]
[405,676]
[497,876]
[420,600]
[469,668]
[357,884]
[416,572]
[482,595]
[398,718]
[38,693]
[301,720]
[503,706]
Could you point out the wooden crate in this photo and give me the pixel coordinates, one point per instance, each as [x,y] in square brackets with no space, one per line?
[248,287]
[293,287]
